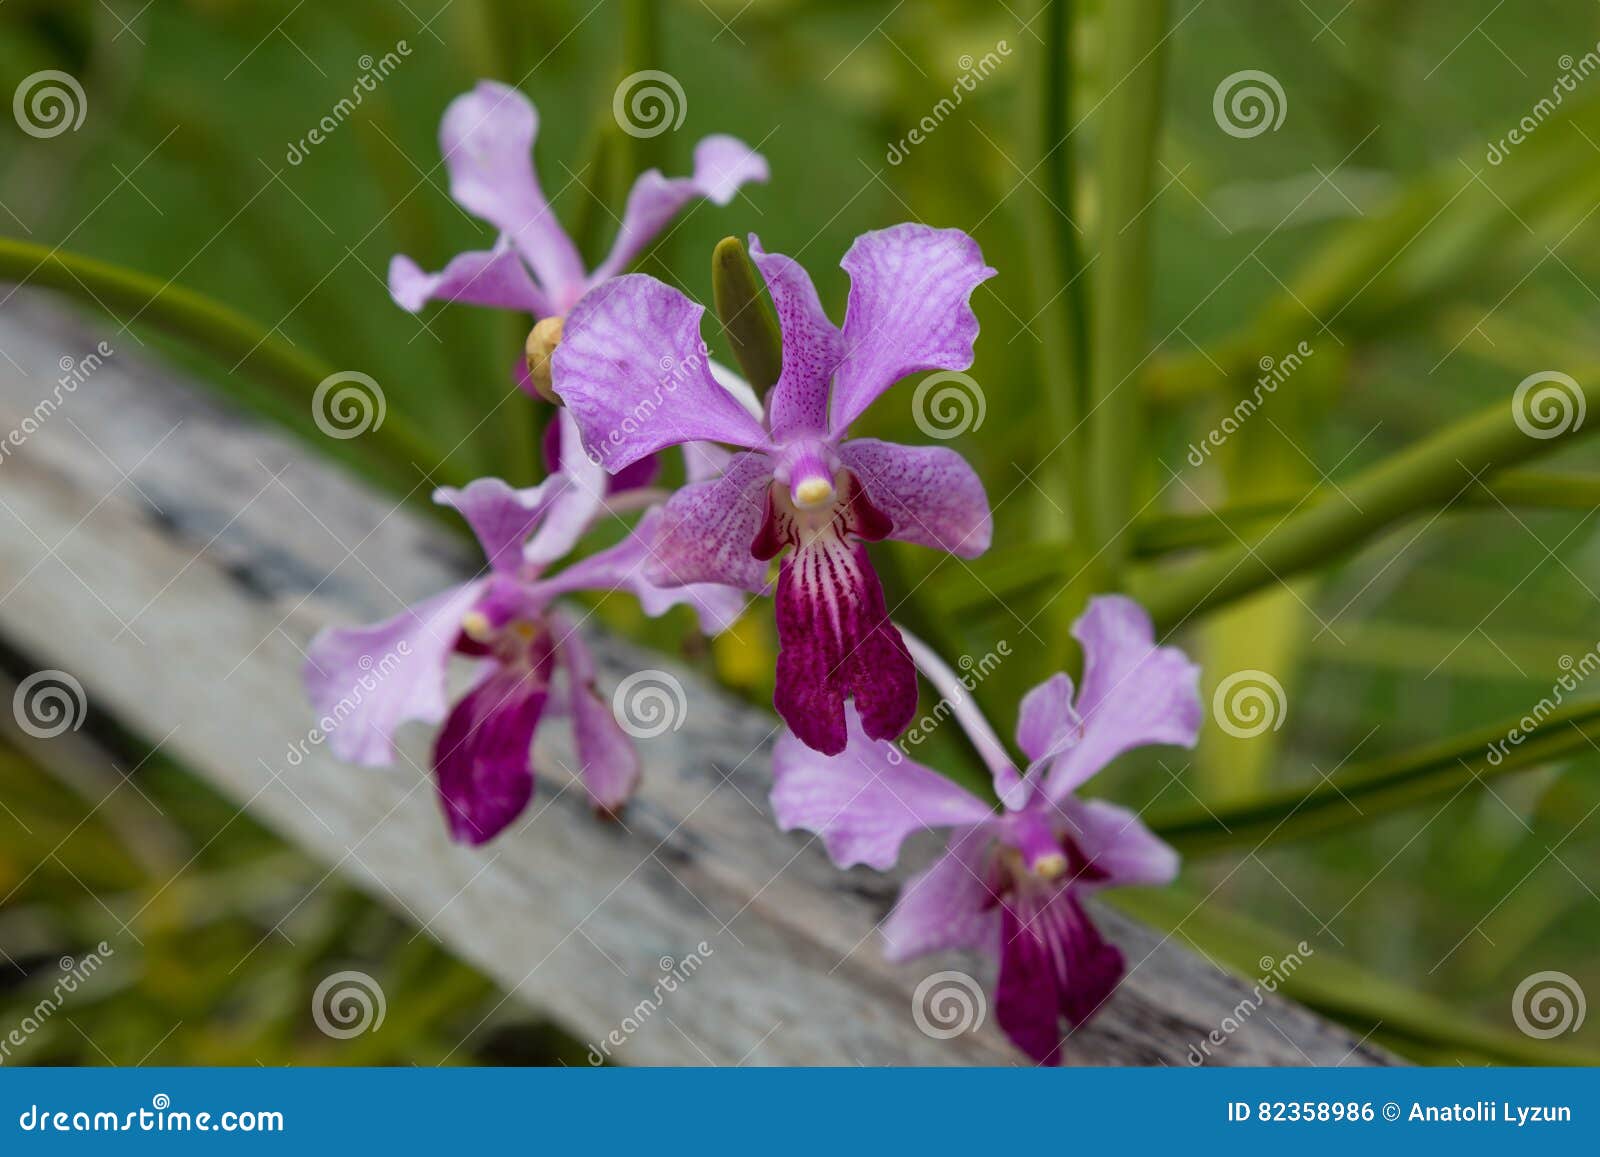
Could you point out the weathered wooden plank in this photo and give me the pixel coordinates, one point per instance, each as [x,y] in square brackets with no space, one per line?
[175,557]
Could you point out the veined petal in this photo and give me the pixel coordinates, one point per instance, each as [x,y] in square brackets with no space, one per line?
[608,763]
[487,137]
[1134,693]
[482,758]
[930,494]
[707,529]
[1047,723]
[366,682]
[908,311]
[642,473]
[493,277]
[632,369]
[499,515]
[947,905]
[1115,841]
[812,347]
[866,800]
[1054,965]
[627,566]
[836,642]
[721,165]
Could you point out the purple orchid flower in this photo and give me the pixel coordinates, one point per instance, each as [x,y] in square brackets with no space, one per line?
[487,139]
[632,369]
[366,682]
[1012,881]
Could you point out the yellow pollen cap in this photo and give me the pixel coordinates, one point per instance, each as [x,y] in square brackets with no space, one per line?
[1050,866]
[476,625]
[813,492]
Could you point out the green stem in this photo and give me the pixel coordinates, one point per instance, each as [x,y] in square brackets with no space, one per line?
[1525,489]
[1427,476]
[210,326]
[1377,788]
[1130,131]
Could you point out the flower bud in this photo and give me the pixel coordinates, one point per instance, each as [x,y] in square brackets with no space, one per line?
[540,350]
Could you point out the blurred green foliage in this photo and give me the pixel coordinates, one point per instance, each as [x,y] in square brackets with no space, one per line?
[1372,225]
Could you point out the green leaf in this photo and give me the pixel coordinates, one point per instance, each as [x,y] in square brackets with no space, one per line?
[748,321]
[1379,787]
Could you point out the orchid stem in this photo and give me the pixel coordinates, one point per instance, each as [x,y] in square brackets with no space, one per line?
[1431,475]
[214,328]
[1130,131]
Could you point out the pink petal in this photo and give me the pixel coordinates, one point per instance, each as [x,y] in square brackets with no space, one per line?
[812,347]
[1134,693]
[707,529]
[866,800]
[482,758]
[632,369]
[500,516]
[930,494]
[1123,851]
[721,165]
[628,565]
[608,762]
[494,277]
[1047,724]
[908,311]
[577,500]
[1054,965]
[948,905]
[487,136]
[366,682]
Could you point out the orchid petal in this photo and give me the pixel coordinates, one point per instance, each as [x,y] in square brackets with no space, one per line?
[631,368]
[366,682]
[1123,852]
[947,905]
[493,277]
[499,515]
[812,347]
[707,528]
[487,137]
[930,494]
[721,165]
[1134,693]
[908,311]
[608,763]
[865,801]
[578,500]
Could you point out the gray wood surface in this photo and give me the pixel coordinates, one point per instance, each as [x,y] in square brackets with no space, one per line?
[175,557]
